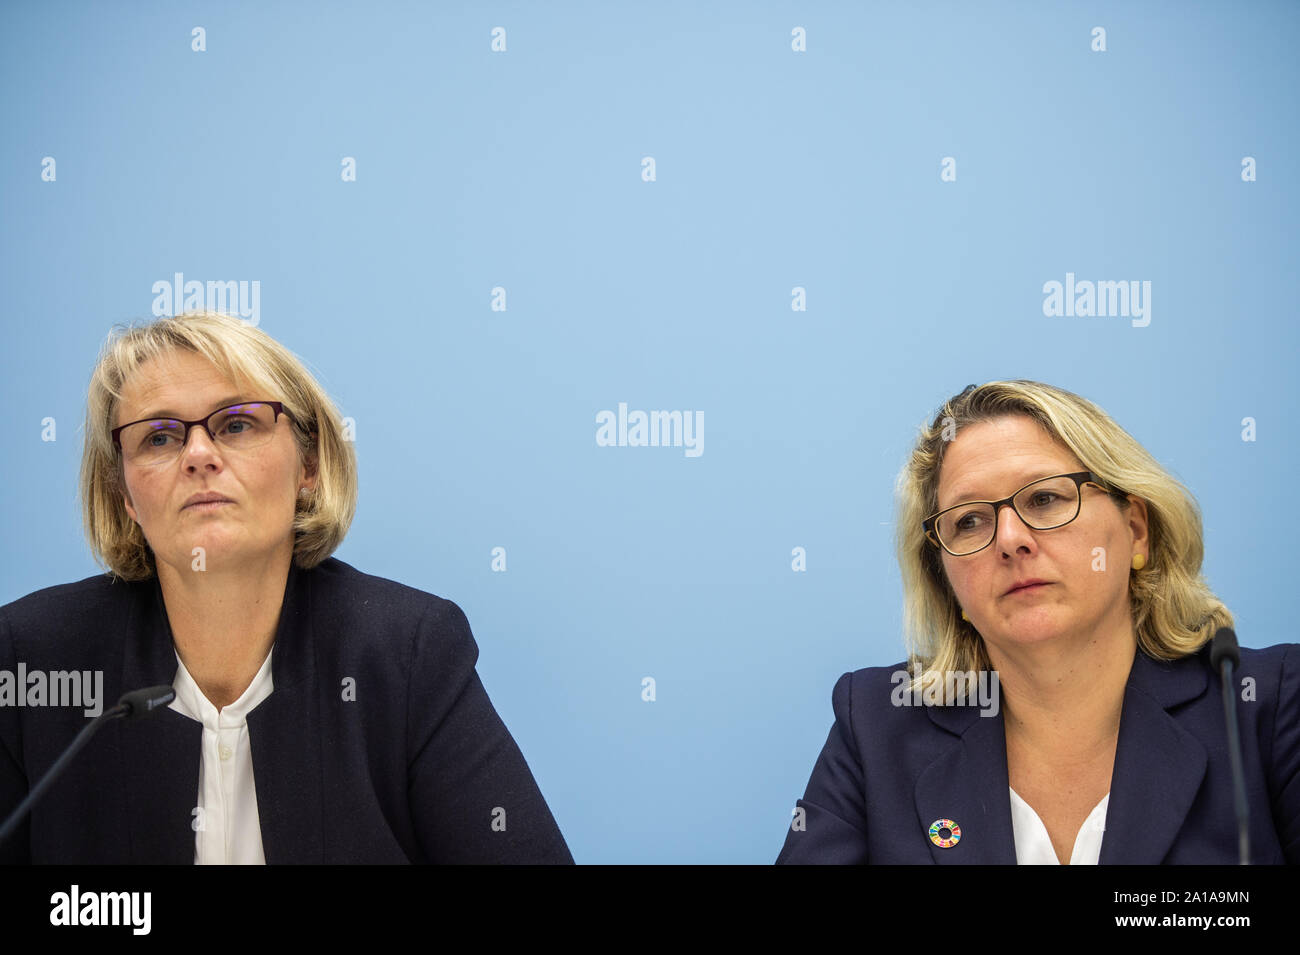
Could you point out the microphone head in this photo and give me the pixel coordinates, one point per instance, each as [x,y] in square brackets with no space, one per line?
[1224,647]
[141,703]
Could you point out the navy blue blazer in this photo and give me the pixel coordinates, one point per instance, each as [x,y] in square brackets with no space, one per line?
[416,768]
[887,772]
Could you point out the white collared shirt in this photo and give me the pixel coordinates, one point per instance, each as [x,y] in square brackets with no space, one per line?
[1034,845]
[227,828]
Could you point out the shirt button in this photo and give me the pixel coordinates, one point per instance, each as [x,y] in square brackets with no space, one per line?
[225,752]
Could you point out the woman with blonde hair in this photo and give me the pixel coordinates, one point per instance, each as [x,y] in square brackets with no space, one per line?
[1057,704]
[320,714]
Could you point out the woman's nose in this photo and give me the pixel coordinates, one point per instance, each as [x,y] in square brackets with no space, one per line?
[1011,526]
[198,441]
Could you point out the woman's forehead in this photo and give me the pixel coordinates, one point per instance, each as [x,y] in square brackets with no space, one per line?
[987,457]
[165,386]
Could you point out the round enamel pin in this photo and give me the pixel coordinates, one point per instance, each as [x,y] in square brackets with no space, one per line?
[945,833]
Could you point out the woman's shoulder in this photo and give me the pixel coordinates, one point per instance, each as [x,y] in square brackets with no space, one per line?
[1275,671]
[888,696]
[66,610]
[888,723]
[339,582]
[888,685]
[379,608]
[873,680]
[1266,665]
[97,589]
[1275,657]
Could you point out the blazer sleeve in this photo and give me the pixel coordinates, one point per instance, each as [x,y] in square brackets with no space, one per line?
[833,828]
[473,798]
[13,780]
[1286,757]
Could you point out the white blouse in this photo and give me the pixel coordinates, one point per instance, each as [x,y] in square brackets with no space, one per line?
[226,826]
[1034,845]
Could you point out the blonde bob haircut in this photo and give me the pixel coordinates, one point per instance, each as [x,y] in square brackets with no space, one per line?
[254,362]
[1174,612]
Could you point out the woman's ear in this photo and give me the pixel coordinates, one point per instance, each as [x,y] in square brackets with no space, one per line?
[1138,523]
[119,485]
[310,471]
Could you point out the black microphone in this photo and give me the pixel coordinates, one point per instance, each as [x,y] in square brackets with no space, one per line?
[141,703]
[131,706]
[1225,655]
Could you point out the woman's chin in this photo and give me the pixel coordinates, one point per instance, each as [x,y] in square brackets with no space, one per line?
[1035,626]
[216,551]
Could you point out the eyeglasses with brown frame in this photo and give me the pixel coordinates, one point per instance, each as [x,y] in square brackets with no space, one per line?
[1043,504]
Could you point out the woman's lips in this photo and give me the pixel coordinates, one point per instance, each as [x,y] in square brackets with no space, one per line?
[1028,590]
[208,505]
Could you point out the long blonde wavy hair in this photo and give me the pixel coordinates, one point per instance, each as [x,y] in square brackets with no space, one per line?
[1174,611]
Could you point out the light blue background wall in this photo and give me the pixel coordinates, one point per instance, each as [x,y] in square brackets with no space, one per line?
[775,169]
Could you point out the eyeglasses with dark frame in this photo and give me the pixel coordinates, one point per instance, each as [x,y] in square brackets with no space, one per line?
[1050,516]
[243,411]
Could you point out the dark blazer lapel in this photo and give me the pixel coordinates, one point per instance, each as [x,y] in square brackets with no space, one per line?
[285,735]
[967,784]
[1159,767]
[160,754]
